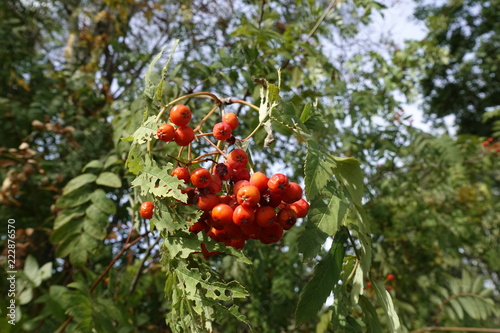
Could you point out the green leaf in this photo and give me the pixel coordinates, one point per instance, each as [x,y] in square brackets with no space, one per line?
[386,302]
[74,198]
[95,164]
[109,179]
[110,161]
[326,276]
[146,132]
[159,88]
[306,113]
[96,222]
[135,162]
[370,316]
[318,169]
[311,241]
[31,270]
[99,198]
[78,182]
[215,290]
[149,85]
[357,285]
[349,173]
[269,98]
[327,216]
[157,181]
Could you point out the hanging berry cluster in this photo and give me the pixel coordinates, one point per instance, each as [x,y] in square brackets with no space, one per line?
[236,204]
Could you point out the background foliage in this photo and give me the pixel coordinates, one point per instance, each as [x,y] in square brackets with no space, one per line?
[76,79]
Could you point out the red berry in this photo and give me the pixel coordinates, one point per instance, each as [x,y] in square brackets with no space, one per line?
[231,119]
[216,184]
[240,184]
[237,243]
[201,178]
[184,135]
[390,277]
[222,131]
[300,207]
[181,174]
[243,215]
[180,115]
[287,218]
[223,214]
[248,196]
[259,180]
[269,198]
[207,202]
[292,193]
[198,226]
[271,234]
[223,171]
[233,231]
[252,230]
[278,183]
[265,215]
[146,210]
[240,174]
[237,159]
[389,288]
[165,132]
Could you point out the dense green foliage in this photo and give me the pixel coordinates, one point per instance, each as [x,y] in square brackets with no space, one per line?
[82,83]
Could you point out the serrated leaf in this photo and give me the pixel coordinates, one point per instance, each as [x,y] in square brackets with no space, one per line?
[385,300]
[146,132]
[99,198]
[181,245]
[370,316]
[135,162]
[318,169]
[349,173]
[159,88]
[327,216]
[157,181]
[326,276]
[109,179]
[269,99]
[215,290]
[311,241]
[149,85]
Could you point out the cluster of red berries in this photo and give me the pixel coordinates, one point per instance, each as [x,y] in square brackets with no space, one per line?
[236,205]
[491,147]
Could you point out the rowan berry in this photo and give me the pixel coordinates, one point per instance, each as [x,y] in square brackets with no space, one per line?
[240,174]
[390,277]
[240,184]
[286,218]
[198,226]
[184,135]
[201,178]
[243,215]
[233,231]
[269,198]
[222,213]
[271,234]
[181,174]
[265,215]
[222,131]
[248,196]
[278,183]
[292,193]
[237,243]
[231,119]
[259,180]
[165,132]
[207,202]
[215,185]
[146,210]
[252,230]
[237,158]
[223,170]
[300,207]
[180,115]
